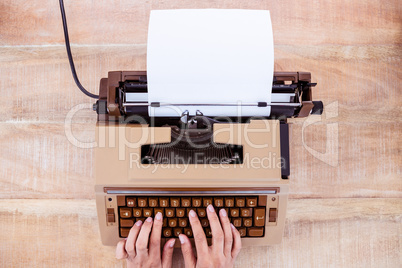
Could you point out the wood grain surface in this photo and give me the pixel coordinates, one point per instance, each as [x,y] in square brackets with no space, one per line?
[346,182]
[360,96]
[319,233]
[126,22]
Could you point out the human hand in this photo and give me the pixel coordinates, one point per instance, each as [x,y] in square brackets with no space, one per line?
[226,242]
[135,247]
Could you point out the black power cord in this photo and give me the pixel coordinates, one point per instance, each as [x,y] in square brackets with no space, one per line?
[70,57]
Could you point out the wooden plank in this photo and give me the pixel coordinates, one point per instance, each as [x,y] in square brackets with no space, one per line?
[39,161]
[126,22]
[318,233]
[366,162]
[37,85]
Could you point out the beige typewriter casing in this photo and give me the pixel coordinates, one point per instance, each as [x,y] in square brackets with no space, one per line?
[119,169]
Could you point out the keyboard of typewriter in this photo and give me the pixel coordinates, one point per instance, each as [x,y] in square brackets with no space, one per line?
[247,213]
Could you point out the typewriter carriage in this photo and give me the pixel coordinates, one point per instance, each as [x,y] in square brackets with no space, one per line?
[123,94]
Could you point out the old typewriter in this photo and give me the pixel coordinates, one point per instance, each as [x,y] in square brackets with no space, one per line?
[173,164]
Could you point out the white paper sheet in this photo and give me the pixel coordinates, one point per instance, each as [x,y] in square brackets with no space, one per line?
[210,56]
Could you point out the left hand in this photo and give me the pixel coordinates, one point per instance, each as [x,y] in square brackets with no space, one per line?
[135,248]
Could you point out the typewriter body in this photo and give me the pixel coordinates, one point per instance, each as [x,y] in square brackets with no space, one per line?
[148,164]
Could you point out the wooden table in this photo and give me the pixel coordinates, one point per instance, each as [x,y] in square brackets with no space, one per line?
[346,188]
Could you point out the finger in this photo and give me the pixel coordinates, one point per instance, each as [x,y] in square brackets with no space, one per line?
[141,246]
[200,240]
[167,253]
[120,251]
[227,231]
[132,237]
[216,228]
[187,251]
[156,234]
[236,242]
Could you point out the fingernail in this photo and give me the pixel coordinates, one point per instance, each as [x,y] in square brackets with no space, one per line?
[138,223]
[149,219]
[223,213]
[192,213]
[158,216]
[172,243]
[211,208]
[181,238]
[231,225]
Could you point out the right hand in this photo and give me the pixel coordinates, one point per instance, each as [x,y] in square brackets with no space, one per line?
[226,242]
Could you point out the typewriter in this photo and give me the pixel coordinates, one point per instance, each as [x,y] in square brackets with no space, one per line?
[146,165]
